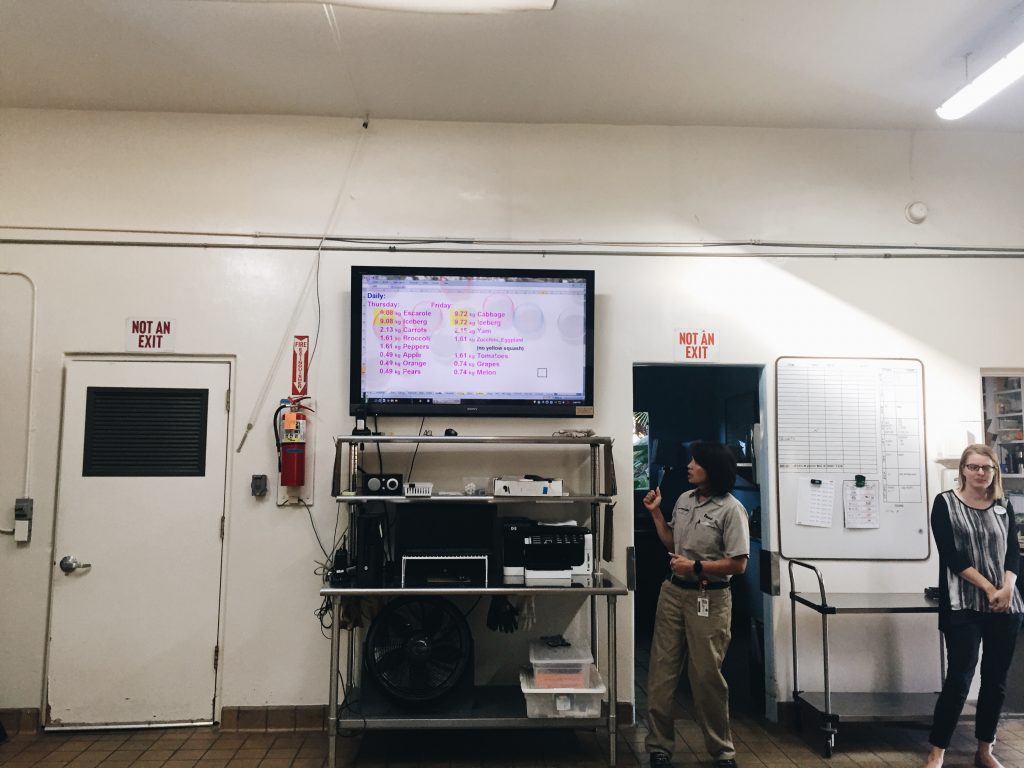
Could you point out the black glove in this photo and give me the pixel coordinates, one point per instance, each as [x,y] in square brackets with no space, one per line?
[502,615]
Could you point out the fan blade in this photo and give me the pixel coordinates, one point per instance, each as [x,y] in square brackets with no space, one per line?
[419,680]
[399,624]
[450,654]
[390,660]
[446,635]
[432,616]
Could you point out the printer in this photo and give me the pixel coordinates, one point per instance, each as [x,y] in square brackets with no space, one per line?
[546,551]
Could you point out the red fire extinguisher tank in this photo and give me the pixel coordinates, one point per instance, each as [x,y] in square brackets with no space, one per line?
[293,448]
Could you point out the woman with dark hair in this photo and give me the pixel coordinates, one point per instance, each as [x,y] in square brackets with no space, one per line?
[979,605]
[708,542]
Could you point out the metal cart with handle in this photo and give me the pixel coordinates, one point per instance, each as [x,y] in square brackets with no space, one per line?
[857,706]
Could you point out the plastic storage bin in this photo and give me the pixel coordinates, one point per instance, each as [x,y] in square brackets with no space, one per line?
[562,702]
[560,666]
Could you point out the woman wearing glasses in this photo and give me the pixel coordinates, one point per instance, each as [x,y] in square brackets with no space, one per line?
[979,605]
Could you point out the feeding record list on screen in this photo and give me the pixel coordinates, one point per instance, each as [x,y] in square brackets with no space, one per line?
[456,337]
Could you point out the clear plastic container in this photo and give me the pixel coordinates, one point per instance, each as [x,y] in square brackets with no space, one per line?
[560,666]
[563,702]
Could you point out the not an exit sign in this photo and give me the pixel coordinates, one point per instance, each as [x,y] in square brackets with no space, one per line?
[145,334]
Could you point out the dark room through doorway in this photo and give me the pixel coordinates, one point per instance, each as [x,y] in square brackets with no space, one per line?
[674,405]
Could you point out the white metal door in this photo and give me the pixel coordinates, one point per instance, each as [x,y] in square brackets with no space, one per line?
[132,636]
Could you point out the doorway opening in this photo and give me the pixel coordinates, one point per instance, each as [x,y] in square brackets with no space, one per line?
[675,405]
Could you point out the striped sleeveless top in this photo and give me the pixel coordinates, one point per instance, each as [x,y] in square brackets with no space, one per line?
[980,534]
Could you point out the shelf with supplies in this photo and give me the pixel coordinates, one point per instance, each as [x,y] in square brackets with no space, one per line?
[413,583]
[1003,409]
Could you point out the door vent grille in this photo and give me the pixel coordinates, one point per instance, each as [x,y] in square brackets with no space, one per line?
[145,432]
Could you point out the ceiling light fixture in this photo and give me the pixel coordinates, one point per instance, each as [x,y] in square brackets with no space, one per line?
[999,76]
[431,6]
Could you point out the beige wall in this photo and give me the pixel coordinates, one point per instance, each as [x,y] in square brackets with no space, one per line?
[248,175]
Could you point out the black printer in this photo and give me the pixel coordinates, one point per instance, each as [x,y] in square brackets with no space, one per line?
[546,550]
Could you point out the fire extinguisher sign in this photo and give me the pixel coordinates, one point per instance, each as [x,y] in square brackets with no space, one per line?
[300,366]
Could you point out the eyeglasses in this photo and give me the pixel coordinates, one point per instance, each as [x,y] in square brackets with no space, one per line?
[986,468]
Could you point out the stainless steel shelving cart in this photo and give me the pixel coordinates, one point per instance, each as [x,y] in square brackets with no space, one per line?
[493,706]
[857,707]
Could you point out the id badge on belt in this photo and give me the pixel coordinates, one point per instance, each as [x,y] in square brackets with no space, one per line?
[703,604]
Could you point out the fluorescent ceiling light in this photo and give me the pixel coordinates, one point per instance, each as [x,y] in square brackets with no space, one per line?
[1003,73]
[431,6]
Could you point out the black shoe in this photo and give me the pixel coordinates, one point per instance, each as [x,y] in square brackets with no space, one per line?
[725,762]
[660,760]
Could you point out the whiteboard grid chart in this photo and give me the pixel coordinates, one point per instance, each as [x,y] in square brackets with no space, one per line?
[838,418]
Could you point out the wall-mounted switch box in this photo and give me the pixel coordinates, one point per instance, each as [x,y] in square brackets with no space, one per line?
[258,485]
[22,520]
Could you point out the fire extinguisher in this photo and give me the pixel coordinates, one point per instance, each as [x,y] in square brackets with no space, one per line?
[290,430]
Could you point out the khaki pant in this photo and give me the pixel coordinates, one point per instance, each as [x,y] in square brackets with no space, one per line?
[678,630]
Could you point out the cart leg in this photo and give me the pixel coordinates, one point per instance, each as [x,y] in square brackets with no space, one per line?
[830,740]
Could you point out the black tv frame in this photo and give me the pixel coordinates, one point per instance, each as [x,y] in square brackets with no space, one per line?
[498,407]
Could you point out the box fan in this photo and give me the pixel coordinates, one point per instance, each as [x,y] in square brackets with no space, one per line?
[418,651]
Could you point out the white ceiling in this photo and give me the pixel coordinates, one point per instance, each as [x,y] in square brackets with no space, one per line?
[794,63]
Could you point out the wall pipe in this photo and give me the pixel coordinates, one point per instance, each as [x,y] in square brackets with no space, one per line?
[26,482]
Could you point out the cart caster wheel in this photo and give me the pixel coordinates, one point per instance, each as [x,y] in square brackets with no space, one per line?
[828,748]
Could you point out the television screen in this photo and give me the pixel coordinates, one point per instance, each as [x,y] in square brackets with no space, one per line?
[472,342]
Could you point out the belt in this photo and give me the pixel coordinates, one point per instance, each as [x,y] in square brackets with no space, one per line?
[696,585]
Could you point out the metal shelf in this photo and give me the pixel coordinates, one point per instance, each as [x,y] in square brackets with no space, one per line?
[856,706]
[867,602]
[471,439]
[868,707]
[601,584]
[495,706]
[467,498]
[491,706]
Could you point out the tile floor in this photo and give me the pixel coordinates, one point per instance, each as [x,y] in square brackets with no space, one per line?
[759,743]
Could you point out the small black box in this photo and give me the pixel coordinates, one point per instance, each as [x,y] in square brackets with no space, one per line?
[444,570]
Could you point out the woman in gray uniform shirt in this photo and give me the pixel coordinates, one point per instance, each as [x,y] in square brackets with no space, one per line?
[708,542]
[979,604]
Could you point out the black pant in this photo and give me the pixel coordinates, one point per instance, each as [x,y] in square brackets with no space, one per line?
[967,632]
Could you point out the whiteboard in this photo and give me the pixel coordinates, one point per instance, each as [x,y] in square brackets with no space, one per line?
[837,418]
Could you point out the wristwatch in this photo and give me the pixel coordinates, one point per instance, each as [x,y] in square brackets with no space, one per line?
[698,567]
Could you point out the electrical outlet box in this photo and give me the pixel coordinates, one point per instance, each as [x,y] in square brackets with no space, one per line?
[258,485]
[23,520]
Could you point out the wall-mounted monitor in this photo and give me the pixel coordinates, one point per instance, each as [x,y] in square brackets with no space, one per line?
[472,342]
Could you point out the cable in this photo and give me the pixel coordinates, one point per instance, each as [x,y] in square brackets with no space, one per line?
[325,616]
[309,511]
[316,333]
[380,456]
[277,434]
[416,450]
[472,607]
[277,356]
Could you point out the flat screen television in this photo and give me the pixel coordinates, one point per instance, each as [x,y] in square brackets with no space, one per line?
[472,342]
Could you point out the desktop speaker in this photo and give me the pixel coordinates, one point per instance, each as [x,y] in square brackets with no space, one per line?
[382,485]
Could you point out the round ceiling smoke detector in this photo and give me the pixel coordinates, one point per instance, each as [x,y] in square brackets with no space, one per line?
[916,212]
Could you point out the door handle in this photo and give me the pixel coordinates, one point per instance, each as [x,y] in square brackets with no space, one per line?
[70,564]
